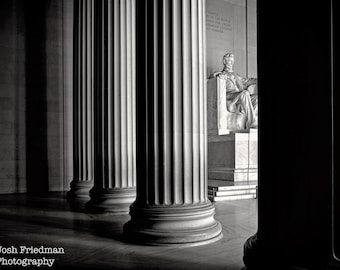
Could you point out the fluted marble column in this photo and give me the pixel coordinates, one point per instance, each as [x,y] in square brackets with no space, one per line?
[172,206]
[114,141]
[82,101]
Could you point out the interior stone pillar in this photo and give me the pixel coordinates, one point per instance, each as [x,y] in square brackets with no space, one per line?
[82,101]
[172,206]
[114,95]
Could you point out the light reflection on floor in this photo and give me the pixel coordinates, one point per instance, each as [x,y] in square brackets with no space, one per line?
[95,241]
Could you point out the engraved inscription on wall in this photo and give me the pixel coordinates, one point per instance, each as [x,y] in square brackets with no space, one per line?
[217,23]
[220,32]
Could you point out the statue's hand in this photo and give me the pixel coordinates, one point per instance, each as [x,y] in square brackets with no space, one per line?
[254,81]
[214,74]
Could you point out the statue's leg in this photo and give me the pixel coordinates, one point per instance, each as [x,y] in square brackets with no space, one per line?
[254,101]
[245,101]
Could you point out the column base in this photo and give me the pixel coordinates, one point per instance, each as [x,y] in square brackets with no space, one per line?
[79,190]
[251,253]
[184,225]
[79,194]
[111,201]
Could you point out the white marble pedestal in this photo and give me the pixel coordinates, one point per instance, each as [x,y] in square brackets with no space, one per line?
[233,157]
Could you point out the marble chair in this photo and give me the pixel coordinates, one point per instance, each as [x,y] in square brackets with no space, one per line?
[229,121]
[232,149]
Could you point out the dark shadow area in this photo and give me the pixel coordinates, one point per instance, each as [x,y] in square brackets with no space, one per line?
[19,81]
[5,7]
[77,205]
[54,201]
[54,212]
[295,154]
[12,80]
[336,133]
[36,103]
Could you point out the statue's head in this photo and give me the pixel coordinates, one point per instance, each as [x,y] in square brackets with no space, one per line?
[228,60]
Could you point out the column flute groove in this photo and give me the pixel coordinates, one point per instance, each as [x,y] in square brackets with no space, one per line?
[82,103]
[172,205]
[114,168]
[166,123]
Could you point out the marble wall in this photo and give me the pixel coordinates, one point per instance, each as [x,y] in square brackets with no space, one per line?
[35,148]
[231,27]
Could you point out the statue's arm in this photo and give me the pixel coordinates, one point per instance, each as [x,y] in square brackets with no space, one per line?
[246,82]
[252,81]
[214,74]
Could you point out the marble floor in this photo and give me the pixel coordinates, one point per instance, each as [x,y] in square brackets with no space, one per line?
[95,241]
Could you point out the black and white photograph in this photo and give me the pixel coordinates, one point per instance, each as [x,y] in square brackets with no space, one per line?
[169,134]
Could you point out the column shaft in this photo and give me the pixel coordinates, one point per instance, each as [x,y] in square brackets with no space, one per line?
[172,206]
[114,139]
[82,101]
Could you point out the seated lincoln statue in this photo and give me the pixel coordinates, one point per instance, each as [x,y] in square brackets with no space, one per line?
[241,98]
